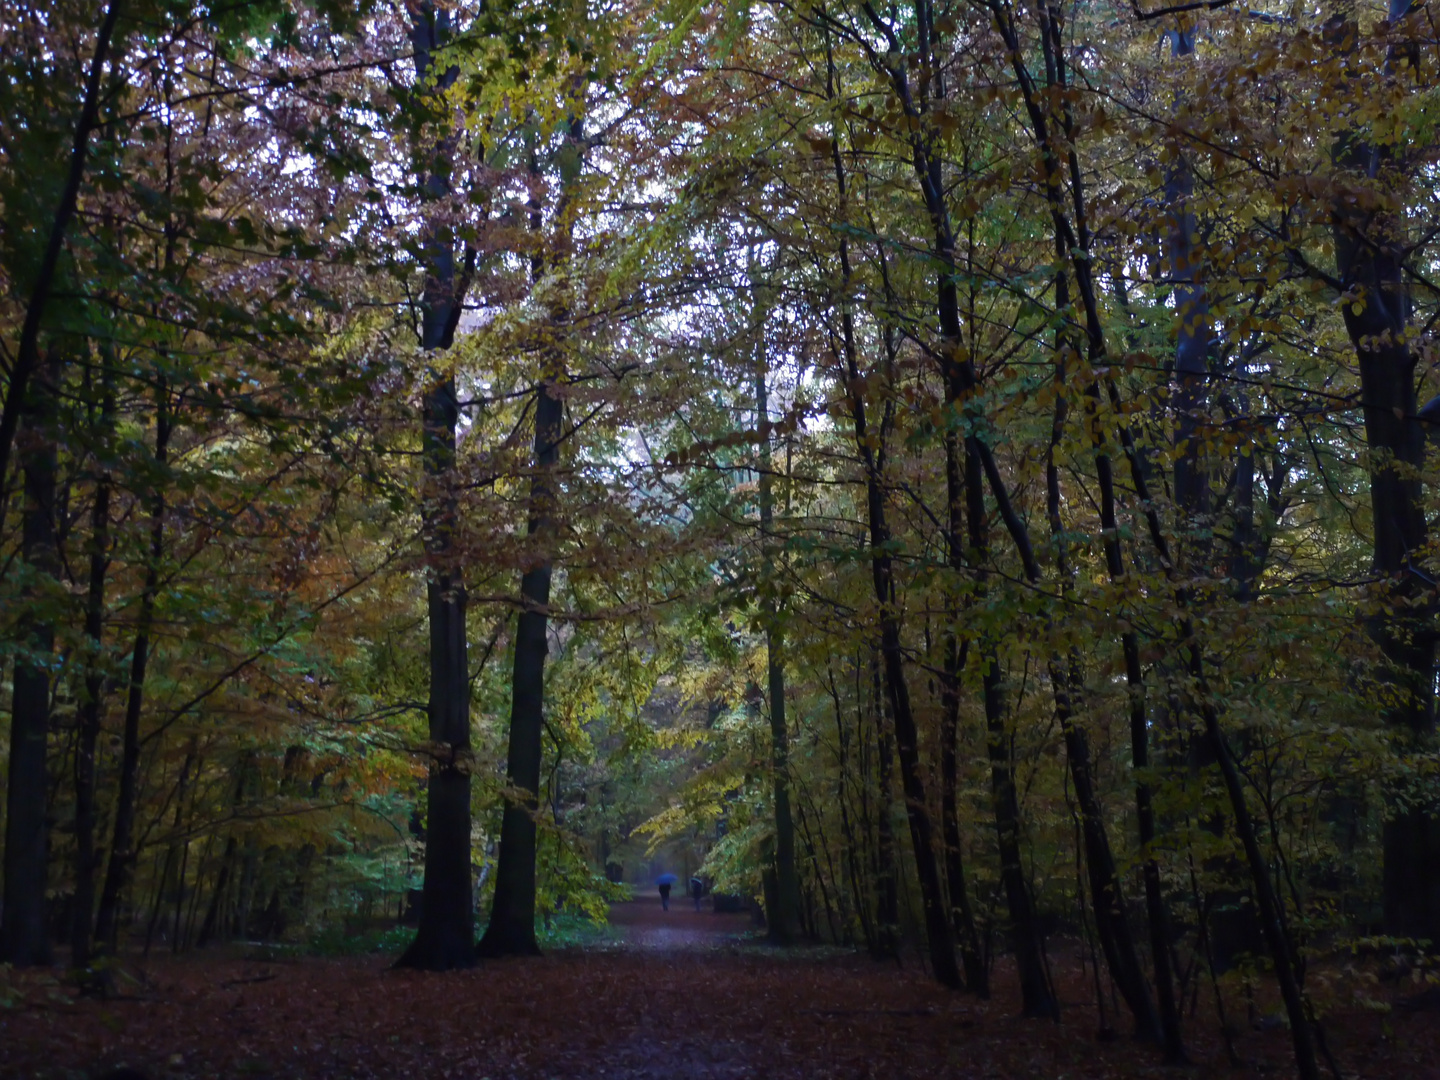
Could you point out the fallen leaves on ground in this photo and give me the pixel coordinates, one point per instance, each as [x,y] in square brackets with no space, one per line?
[678,995]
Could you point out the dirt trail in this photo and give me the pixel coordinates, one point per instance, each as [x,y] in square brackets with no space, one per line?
[643,924]
[673,996]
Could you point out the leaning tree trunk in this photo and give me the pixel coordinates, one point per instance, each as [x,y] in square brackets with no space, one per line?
[445,938]
[23,932]
[27,360]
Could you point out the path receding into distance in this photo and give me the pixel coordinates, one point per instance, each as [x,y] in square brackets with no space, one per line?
[677,995]
[644,924]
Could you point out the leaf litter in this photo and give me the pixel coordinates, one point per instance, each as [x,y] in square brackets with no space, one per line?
[678,994]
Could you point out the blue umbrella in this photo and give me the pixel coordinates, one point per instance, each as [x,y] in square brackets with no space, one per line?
[666,879]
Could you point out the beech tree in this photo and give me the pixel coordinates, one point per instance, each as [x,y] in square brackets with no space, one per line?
[942,472]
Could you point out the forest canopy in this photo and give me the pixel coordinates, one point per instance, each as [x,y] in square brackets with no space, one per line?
[949,474]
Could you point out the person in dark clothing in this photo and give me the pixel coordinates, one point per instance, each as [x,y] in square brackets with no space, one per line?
[697,890]
[665,895]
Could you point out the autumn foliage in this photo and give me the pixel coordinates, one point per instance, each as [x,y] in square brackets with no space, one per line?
[952,476]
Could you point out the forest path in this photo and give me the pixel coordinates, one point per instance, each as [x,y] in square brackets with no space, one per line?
[675,995]
[643,924]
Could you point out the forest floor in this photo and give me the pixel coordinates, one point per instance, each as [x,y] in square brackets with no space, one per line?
[679,995]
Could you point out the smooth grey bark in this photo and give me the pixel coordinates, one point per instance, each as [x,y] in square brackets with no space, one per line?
[445,938]
[24,937]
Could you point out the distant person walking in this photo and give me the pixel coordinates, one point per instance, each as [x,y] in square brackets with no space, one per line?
[665,881]
[697,890]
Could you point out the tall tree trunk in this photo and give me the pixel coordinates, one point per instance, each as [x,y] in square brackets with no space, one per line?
[854,855]
[1074,238]
[24,938]
[27,357]
[1111,923]
[1370,257]
[887,906]
[1037,995]
[122,843]
[977,978]
[511,931]
[445,938]
[938,927]
[782,920]
[892,660]
[1192,341]
[90,710]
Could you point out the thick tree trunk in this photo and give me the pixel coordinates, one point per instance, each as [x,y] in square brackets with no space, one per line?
[24,938]
[445,938]
[1369,254]
[511,931]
